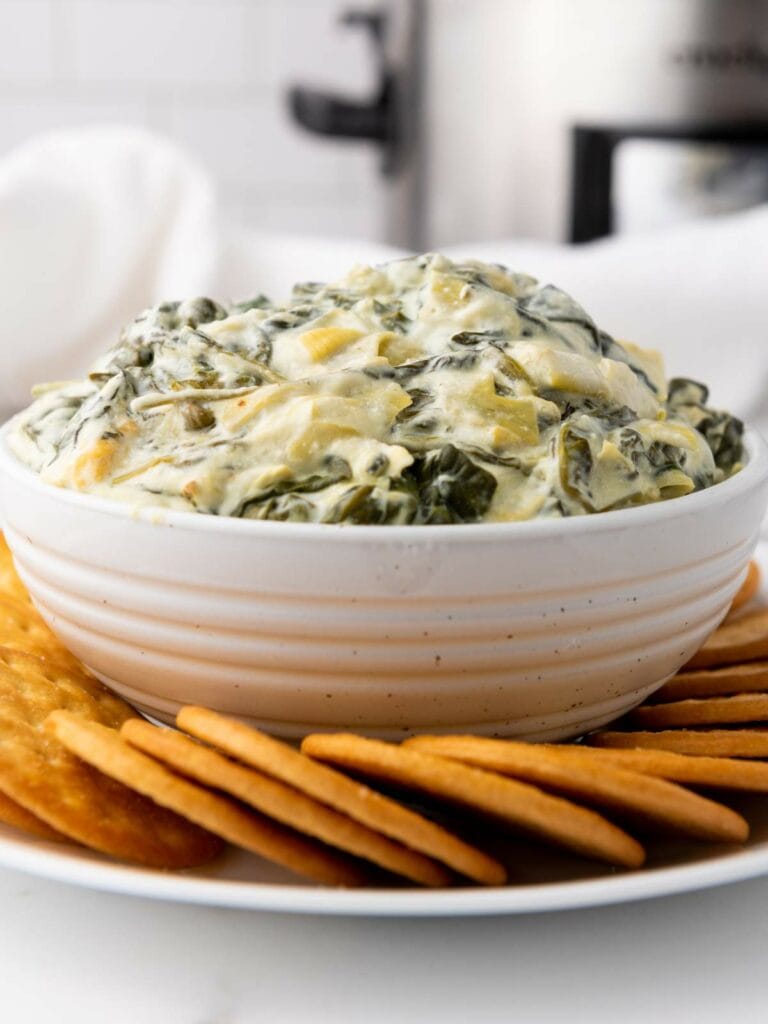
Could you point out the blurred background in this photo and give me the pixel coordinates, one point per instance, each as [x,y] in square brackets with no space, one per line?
[213,76]
[418,122]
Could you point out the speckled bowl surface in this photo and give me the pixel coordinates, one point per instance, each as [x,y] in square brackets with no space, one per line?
[540,630]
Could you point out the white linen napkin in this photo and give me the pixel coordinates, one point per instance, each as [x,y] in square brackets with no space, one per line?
[95,225]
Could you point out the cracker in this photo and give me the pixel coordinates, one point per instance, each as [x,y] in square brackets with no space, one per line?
[53,685]
[738,708]
[515,803]
[20,620]
[49,651]
[748,588]
[739,640]
[40,775]
[22,628]
[614,788]
[718,772]
[715,682]
[105,750]
[283,803]
[343,794]
[19,817]
[21,625]
[10,583]
[706,742]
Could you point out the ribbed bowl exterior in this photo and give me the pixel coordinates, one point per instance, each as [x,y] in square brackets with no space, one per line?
[539,630]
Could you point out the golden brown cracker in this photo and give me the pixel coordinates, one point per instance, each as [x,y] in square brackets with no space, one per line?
[736,641]
[737,708]
[19,817]
[105,750]
[21,625]
[283,803]
[40,775]
[616,789]
[49,651]
[52,685]
[748,588]
[714,682]
[515,803]
[10,583]
[717,772]
[22,628]
[19,619]
[699,742]
[343,794]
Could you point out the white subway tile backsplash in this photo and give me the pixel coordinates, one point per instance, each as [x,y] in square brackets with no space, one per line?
[307,216]
[253,140]
[24,116]
[316,49]
[26,43]
[147,41]
[213,75]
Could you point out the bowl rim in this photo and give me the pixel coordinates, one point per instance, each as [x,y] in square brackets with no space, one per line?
[754,472]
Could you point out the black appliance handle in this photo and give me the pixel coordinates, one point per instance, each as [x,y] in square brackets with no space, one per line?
[328,114]
[592,151]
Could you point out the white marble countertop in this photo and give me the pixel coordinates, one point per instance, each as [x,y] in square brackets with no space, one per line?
[72,955]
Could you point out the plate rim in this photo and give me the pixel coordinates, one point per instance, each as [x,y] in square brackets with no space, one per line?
[40,859]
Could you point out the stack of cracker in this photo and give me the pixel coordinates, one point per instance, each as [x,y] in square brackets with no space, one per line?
[77,764]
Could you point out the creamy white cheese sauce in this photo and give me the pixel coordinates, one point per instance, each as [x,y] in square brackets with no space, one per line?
[420,391]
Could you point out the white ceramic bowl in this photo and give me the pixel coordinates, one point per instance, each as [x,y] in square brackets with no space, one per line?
[540,630]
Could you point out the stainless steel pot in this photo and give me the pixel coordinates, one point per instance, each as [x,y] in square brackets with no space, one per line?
[559,119]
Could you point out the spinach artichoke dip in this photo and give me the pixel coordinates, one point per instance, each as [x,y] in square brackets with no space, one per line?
[420,391]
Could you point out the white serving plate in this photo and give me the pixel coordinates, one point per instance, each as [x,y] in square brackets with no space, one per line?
[244,881]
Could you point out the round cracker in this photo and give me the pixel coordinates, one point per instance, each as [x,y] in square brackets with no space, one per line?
[21,625]
[516,803]
[715,682]
[37,773]
[699,742]
[49,651]
[748,588]
[104,749]
[616,789]
[19,817]
[21,620]
[51,686]
[743,639]
[343,794]
[283,803]
[718,772]
[22,628]
[737,708]
[10,583]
